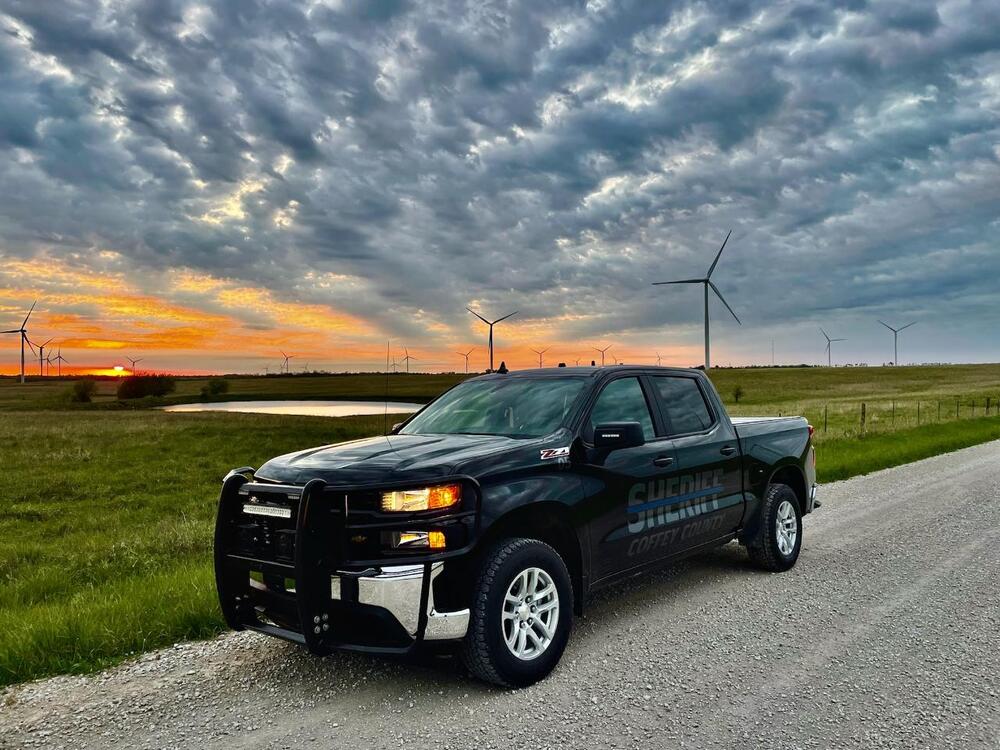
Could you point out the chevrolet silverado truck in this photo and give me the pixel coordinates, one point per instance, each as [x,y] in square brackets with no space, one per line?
[487,518]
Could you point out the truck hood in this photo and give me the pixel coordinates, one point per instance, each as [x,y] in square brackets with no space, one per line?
[392,458]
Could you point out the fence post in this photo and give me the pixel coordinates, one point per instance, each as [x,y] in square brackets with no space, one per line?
[862,417]
[826,417]
[939,410]
[958,402]
[918,413]
[973,407]
[987,406]
[893,413]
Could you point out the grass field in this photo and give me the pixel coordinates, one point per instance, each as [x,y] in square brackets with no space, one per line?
[105,526]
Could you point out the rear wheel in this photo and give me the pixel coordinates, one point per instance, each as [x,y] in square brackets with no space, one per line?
[521,616]
[779,538]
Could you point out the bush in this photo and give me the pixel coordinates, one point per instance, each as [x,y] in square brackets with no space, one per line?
[83,391]
[737,393]
[215,387]
[139,386]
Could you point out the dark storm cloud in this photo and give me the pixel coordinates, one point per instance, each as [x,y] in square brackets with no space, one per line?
[555,157]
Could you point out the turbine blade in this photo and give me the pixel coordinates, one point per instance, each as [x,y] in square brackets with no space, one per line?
[504,318]
[29,313]
[824,334]
[478,315]
[718,255]
[12,330]
[719,295]
[890,327]
[680,281]
[908,325]
[30,345]
[47,342]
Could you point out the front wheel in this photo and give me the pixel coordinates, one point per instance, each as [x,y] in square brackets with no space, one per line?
[522,612]
[777,543]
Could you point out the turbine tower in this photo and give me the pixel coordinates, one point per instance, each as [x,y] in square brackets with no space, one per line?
[491,324]
[895,339]
[540,353]
[829,347]
[23,331]
[707,282]
[466,355]
[602,351]
[285,363]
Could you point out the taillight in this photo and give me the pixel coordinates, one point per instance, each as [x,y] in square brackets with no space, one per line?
[811,430]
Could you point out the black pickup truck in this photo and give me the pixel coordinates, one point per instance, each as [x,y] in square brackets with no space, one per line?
[488,517]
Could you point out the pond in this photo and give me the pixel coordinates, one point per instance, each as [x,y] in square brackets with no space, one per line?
[303,408]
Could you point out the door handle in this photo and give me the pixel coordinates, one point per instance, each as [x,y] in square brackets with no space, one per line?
[663,460]
[727,450]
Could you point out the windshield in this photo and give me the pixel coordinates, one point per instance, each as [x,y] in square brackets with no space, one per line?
[512,407]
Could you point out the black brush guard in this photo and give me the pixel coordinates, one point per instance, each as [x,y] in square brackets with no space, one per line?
[275,574]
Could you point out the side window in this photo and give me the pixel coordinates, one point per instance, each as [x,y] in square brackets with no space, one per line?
[684,403]
[622,400]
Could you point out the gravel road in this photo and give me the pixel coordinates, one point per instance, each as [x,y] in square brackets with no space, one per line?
[886,634]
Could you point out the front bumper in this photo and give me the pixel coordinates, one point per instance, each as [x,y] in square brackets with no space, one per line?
[302,564]
[398,589]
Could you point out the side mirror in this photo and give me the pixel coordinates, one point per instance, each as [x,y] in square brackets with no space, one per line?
[395,428]
[614,435]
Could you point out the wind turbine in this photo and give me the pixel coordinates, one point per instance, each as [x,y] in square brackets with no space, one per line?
[602,351]
[59,358]
[707,282]
[466,355]
[41,356]
[133,362]
[287,357]
[895,339]
[659,360]
[491,324]
[407,358]
[829,347]
[23,331]
[540,353]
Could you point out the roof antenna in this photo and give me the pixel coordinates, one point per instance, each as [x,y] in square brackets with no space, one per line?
[502,369]
[385,414]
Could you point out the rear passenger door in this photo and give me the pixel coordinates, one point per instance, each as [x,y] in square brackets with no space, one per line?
[706,480]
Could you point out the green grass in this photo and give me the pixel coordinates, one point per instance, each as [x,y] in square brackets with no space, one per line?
[107,513]
[842,458]
[106,524]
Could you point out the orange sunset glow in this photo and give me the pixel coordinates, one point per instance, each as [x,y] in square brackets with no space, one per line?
[200,324]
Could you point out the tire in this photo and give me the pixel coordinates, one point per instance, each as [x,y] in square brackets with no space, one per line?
[507,568]
[770,549]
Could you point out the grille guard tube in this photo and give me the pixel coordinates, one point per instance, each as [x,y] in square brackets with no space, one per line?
[308,613]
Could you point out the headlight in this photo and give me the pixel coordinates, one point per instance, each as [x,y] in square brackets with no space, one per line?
[425,498]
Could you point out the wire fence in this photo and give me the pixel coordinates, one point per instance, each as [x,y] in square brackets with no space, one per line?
[860,418]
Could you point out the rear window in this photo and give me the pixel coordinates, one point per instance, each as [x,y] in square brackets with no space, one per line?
[686,410]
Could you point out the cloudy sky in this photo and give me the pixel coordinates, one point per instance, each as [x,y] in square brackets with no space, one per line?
[203,184]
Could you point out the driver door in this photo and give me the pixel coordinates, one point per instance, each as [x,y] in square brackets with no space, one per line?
[625,480]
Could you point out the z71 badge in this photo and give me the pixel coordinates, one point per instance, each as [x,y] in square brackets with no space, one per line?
[555,452]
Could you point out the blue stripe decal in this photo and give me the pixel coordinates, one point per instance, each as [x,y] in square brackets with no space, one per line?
[678,499]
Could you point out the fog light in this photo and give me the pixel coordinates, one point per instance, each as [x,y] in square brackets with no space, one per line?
[418,539]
